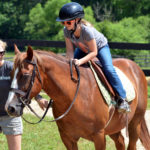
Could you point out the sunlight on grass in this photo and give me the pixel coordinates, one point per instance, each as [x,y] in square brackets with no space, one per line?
[9,54]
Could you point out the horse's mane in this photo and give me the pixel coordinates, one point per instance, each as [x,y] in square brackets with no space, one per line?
[18,59]
[52,54]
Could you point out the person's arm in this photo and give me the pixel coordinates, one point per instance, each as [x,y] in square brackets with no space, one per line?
[93,53]
[69,48]
[43,103]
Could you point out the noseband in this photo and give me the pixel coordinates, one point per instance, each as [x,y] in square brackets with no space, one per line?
[24,97]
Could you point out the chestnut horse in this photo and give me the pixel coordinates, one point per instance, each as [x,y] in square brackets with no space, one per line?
[89,115]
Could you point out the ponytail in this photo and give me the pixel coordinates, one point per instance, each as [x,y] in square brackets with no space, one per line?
[86,23]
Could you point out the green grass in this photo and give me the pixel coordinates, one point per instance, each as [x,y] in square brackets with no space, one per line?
[9,54]
[45,136]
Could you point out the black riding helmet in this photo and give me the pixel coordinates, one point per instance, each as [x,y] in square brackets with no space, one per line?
[70,11]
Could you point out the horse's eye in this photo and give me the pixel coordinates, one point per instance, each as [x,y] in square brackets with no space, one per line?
[26,75]
[24,79]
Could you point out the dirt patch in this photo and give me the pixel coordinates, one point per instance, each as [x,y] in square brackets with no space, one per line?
[38,110]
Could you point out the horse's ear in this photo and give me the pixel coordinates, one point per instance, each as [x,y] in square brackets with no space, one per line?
[16,49]
[29,53]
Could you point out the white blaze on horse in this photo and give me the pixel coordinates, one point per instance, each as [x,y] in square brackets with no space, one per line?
[89,114]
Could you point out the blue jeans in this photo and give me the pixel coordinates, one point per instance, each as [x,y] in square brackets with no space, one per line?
[105,59]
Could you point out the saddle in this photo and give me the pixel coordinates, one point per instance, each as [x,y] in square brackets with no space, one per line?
[98,69]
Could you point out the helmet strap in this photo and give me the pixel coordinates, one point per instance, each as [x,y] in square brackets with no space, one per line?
[75,27]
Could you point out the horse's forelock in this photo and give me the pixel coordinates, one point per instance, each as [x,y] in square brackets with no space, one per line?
[19,59]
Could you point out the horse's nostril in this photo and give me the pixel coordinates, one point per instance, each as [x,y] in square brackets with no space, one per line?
[11,109]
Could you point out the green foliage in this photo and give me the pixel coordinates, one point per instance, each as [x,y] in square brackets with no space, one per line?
[3,19]
[35,26]
[42,21]
[13,15]
[128,8]
[117,9]
[89,15]
[128,30]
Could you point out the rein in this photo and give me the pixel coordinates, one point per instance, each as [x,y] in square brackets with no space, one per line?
[77,89]
[25,96]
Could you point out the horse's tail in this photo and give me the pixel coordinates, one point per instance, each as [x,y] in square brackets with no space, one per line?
[144,135]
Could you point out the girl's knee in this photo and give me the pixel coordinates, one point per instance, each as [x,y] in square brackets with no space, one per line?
[109,69]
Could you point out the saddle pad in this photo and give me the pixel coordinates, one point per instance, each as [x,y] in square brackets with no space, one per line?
[130,91]
[106,95]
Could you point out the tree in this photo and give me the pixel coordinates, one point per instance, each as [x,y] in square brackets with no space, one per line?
[130,30]
[13,15]
[115,10]
[42,20]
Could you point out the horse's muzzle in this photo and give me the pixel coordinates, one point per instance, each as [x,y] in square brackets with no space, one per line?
[15,110]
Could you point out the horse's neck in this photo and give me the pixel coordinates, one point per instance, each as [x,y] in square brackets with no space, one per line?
[56,77]
[59,86]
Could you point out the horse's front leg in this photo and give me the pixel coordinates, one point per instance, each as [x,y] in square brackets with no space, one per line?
[69,142]
[99,140]
[119,140]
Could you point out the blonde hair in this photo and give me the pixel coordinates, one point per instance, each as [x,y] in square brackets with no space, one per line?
[3,44]
[86,23]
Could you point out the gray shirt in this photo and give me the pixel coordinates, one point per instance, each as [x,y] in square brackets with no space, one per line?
[87,33]
[5,83]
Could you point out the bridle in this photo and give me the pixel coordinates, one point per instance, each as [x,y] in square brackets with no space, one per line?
[24,97]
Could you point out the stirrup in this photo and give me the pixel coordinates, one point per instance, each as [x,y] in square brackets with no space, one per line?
[123,106]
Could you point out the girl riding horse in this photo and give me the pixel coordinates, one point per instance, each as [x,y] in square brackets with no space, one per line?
[90,43]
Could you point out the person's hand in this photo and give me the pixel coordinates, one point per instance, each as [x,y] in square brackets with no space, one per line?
[43,103]
[77,62]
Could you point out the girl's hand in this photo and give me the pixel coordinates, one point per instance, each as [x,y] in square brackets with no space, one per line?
[43,103]
[77,62]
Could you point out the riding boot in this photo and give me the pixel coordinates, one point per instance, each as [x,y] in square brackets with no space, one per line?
[123,106]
